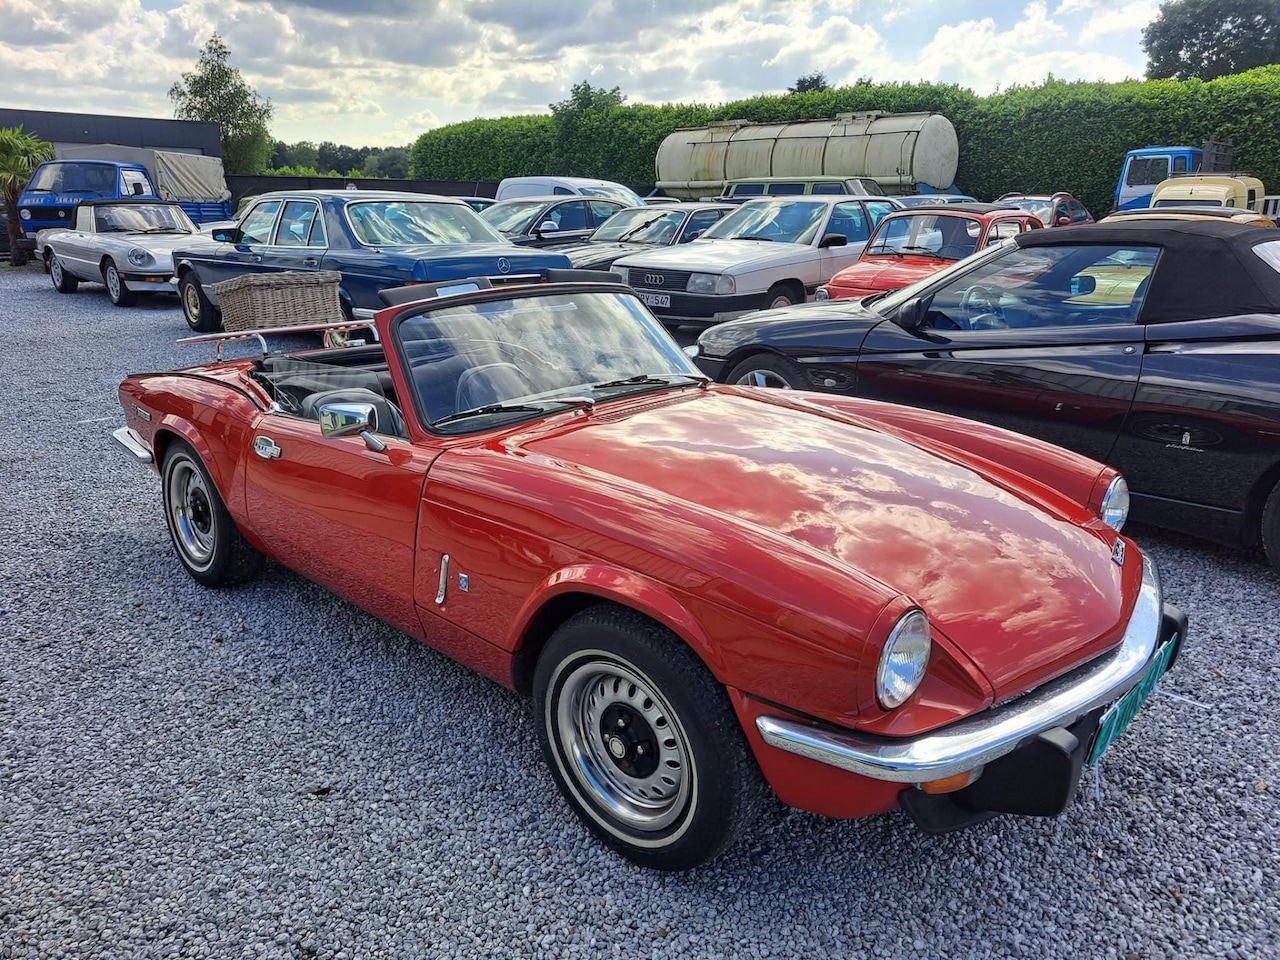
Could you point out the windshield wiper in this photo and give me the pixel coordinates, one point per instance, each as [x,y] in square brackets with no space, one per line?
[634,230]
[492,408]
[925,250]
[647,379]
[753,237]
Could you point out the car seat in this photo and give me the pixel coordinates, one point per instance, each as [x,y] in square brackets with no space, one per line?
[490,383]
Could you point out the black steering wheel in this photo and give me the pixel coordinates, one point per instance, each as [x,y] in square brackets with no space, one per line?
[981,308]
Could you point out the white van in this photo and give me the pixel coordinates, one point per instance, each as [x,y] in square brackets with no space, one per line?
[513,187]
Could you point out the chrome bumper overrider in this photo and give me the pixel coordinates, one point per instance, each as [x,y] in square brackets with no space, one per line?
[967,744]
[129,440]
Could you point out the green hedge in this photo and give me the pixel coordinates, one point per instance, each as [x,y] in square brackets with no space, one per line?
[1056,136]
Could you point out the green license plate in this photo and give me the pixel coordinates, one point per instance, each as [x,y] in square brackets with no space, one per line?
[1120,713]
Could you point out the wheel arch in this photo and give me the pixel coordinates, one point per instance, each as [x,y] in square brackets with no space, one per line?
[1255,502]
[749,350]
[171,428]
[569,591]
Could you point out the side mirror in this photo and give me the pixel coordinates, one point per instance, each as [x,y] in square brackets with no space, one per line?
[351,420]
[912,313]
[691,236]
[547,226]
[1083,285]
[1064,221]
[834,240]
[227,234]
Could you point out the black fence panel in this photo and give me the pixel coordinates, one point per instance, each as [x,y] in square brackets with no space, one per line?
[242,186]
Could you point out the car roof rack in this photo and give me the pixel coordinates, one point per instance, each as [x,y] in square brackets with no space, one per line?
[261,334]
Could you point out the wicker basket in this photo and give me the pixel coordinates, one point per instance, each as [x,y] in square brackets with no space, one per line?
[257,300]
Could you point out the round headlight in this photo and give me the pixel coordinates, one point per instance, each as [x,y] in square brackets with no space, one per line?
[821,294]
[903,660]
[24,213]
[1115,504]
[138,256]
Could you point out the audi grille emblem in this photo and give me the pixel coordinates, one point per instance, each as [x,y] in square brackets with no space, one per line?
[654,279]
[504,265]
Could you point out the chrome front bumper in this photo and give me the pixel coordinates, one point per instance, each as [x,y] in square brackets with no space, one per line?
[970,743]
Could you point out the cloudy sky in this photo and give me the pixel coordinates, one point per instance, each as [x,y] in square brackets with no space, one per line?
[379,72]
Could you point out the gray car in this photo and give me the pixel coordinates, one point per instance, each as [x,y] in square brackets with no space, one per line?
[126,244]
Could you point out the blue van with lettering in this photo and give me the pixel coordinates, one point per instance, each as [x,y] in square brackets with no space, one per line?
[1143,169]
[50,196]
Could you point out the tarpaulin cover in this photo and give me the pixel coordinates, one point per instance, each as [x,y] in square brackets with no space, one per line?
[184,177]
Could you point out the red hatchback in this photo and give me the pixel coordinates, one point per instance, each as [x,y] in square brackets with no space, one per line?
[911,244]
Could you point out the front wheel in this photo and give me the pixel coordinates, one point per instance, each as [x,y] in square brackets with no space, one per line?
[205,537]
[782,295]
[642,740]
[63,282]
[200,313]
[120,295]
[1271,528]
[768,370]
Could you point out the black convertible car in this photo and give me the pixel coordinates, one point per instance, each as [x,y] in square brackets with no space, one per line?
[1153,347]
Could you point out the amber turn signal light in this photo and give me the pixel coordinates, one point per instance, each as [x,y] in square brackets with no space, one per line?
[953,783]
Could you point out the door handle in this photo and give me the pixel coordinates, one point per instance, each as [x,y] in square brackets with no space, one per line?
[266,448]
[310,262]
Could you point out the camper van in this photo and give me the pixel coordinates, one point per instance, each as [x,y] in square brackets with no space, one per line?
[1241,192]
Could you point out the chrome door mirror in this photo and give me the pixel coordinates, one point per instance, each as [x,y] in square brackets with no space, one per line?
[351,420]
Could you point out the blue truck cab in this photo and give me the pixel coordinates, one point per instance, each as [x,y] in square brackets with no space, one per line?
[1143,169]
[56,186]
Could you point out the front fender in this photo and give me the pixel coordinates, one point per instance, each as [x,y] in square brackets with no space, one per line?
[654,599]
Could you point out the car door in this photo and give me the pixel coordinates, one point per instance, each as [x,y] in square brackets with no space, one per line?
[75,247]
[246,254]
[298,242]
[572,219]
[600,211]
[339,513]
[851,220]
[1040,340]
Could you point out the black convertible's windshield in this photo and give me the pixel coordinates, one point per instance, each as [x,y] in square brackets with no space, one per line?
[504,359]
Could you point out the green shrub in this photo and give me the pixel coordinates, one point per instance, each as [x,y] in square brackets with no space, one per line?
[1055,136]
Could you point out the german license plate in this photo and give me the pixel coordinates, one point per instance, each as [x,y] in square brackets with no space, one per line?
[1120,713]
[656,299]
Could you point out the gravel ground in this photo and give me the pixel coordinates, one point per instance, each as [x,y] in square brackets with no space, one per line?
[269,772]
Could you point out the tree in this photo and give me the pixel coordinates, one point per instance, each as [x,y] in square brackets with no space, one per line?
[304,153]
[340,157]
[1211,38]
[810,82]
[390,163]
[587,105]
[20,154]
[216,91]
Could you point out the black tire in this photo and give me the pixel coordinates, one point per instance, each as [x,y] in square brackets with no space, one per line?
[204,536]
[769,370]
[118,293]
[198,310]
[642,741]
[63,282]
[1271,528]
[783,295]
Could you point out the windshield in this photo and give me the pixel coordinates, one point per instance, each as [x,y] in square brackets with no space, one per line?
[89,179]
[514,216]
[141,218]
[395,223]
[943,235]
[782,221]
[646,225]
[1042,210]
[536,352]
[613,192]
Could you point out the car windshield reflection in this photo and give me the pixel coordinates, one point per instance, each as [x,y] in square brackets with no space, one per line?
[517,357]
[402,223]
[782,221]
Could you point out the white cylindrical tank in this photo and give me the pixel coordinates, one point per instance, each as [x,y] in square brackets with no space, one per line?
[900,150]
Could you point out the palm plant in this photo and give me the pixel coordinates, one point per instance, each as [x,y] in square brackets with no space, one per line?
[20,154]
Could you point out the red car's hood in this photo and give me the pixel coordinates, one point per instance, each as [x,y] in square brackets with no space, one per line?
[1022,590]
[887,272]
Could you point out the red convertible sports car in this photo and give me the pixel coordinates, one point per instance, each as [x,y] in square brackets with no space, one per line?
[706,589]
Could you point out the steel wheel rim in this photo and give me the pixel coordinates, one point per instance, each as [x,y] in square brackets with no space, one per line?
[191,513]
[644,803]
[763,378]
[779,302]
[113,282]
[191,303]
[55,271]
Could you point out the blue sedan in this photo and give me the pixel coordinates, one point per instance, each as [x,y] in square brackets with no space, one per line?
[374,239]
